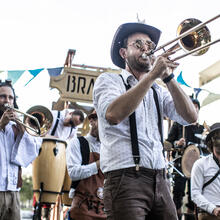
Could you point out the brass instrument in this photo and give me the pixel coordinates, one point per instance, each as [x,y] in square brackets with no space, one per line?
[193,37]
[37,120]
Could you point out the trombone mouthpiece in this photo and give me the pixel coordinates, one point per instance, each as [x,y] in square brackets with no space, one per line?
[6,105]
[144,56]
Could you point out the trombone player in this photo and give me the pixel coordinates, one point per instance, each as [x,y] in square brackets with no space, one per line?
[18,149]
[130,108]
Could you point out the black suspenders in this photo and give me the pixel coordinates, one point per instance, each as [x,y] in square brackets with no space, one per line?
[56,124]
[133,128]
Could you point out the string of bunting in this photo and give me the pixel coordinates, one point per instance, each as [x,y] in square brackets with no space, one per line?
[15,75]
[211,97]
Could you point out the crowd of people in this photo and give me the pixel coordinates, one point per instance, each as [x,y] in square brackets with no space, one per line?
[119,170]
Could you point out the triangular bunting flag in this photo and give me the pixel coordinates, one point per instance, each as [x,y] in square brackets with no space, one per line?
[210,98]
[14,75]
[181,81]
[197,91]
[34,73]
[54,71]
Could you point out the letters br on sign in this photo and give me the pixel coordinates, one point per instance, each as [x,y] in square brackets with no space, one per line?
[76,85]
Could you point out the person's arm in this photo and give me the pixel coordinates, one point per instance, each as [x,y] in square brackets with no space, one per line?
[76,170]
[126,104]
[197,181]
[25,149]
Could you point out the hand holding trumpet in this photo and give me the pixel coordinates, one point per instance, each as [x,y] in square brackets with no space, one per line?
[10,115]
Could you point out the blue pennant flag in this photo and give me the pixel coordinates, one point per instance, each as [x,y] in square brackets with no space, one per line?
[34,73]
[197,91]
[181,81]
[54,71]
[14,75]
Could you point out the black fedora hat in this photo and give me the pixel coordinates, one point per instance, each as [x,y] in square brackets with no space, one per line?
[124,31]
[213,129]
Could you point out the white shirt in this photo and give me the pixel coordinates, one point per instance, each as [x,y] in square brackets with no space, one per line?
[62,132]
[116,150]
[203,170]
[76,170]
[15,153]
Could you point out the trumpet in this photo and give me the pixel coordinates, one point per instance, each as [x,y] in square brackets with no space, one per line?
[37,120]
[193,36]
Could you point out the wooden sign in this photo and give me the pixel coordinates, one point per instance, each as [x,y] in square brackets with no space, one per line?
[76,84]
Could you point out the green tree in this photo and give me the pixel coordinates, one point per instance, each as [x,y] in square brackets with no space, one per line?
[26,193]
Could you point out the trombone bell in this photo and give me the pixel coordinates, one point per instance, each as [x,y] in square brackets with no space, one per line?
[195,39]
[44,117]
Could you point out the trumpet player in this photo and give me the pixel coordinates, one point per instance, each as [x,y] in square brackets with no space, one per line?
[130,107]
[18,149]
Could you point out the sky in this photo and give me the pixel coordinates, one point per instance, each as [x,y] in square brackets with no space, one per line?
[38,34]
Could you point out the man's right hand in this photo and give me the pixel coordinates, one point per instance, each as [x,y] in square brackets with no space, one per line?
[216,211]
[181,142]
[6,117]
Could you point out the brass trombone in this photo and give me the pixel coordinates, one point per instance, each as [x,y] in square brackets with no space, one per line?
[37,120]
[193,36]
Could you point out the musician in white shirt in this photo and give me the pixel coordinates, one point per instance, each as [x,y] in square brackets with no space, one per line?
[17,149]
[207,196]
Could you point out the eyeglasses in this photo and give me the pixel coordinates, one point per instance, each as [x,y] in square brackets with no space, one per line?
[139,44]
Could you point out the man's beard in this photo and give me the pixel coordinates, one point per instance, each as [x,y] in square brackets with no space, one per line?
[135,64]
[2,110]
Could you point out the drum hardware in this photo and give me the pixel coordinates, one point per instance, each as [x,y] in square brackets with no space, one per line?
[40,151]
[55,151]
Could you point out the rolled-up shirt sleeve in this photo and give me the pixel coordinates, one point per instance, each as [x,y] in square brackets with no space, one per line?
[111,88]
[169,108]
[76,170]
[25,149]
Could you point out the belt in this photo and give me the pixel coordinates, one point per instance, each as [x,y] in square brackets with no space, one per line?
[142,170]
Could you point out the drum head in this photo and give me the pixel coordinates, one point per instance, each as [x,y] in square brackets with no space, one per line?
[190,155]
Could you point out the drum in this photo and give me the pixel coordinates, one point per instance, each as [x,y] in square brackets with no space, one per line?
[49,170]
[190,155]
[66,188]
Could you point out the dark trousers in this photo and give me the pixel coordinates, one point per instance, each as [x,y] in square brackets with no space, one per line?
[9,205]
[138,195]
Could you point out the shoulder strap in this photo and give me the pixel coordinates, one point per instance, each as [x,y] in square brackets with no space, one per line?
[56,124]
[158,113]
[215,176]
[84,148]
[133,131]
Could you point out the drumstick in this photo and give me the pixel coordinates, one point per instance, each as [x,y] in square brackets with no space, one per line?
[183,135]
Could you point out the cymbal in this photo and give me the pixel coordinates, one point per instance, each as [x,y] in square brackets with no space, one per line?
[200,136]
[167,145]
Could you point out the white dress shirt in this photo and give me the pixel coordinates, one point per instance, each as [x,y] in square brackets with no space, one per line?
[15,153]
[76,170]
[203,170]
[116,150]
